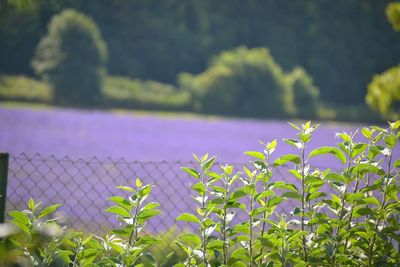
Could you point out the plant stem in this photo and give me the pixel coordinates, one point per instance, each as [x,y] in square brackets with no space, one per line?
[386,181]
[203,206]
[251,232]
[303,189]
[134,233]
[265,201]
[224,225]
[341,214]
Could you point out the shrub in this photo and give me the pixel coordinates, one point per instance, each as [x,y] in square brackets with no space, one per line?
[143,94]
[246,82]
[357,225]
[71,57]
[384,93]
[305,93]
[22,88]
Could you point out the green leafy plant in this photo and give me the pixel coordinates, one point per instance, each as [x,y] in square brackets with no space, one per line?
[346,216]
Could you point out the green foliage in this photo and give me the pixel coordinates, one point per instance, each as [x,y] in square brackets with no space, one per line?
[305,93]
[35,238]
[119,91]
[356,225]
[393,15]
[150,40]
[71,57]
[384,93]
[242,81]
[23,88]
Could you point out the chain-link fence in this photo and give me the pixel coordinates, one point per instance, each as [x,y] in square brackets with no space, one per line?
[83,187]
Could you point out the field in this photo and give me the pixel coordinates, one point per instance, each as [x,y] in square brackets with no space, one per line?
[145,137]
[142,137]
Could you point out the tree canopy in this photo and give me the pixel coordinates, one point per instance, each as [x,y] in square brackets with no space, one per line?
[71,57]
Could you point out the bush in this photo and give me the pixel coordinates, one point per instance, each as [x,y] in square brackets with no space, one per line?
[119,91]
[305,94]
[21,88]
[384,93]
[357,225]
[245,82]
[71,58]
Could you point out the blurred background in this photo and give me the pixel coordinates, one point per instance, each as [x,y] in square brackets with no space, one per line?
[326,60]
[84,83]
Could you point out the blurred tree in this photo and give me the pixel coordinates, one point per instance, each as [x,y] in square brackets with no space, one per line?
[71,57]
[393,15]
[305,93]
[340,43]
[246,82]
[384,90]
[384,93]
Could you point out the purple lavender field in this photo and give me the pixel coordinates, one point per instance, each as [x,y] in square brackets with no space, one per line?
[85,134]
[150,145]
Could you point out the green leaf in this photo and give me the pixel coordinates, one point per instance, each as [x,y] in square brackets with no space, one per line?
[315,195]
[335,177]
[215,244]
[116,246]
[121,202]
[328,150]
[271,146]
[138,183]
[358,149]
[294,143]
[390,140]
[265,194]
[151,205]
[147,214]
[255,154]
[208,164]
[126,188]
[200,188]
[64,255]
[49,210]
[365,168]
[286,158]
[345,137]
[305,138]
[273,201]
[294,126]
[239,253]
[397,163]
[31,204]
[191,172]
[294,195]
[366,132]
[394,125]
[361,211]
[369,201]
[282,185]
[146,190]
[119,211]
[23,227]
[20,216]
[190,238]
[296,234]
[187,217]
[354,197]
[237,194]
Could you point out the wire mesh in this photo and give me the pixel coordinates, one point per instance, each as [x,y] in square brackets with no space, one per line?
[83,187]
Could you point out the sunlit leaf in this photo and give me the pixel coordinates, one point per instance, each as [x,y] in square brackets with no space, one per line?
[328,150]
[187,217]
[49,210]
[118,211]
[286,158]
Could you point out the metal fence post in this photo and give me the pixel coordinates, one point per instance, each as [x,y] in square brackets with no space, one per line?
[4,157]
